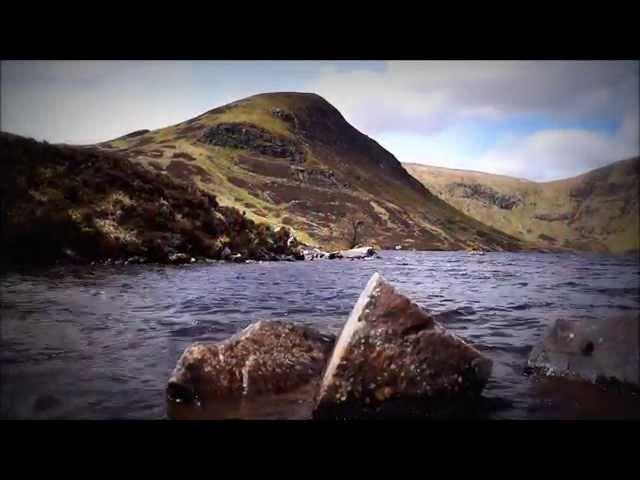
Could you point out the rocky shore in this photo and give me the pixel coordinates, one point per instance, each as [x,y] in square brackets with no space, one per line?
[78,205]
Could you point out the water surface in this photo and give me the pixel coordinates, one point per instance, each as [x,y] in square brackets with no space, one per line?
[100,342]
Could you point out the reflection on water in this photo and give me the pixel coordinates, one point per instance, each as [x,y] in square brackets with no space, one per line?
[100,342]
[295,405]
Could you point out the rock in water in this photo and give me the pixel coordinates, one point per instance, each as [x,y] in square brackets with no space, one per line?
[266,357]
[361,252]
[393,359]
[598,349]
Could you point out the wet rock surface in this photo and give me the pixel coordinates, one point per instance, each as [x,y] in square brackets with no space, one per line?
[393,359]
[598,350]
[268,357]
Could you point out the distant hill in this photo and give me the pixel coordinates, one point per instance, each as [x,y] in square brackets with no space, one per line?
[596,211]
[292,159]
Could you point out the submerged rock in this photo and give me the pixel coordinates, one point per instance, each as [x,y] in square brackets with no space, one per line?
[393,359]
[596,350]
[268,357]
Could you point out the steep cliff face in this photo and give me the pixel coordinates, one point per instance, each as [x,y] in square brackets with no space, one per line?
[596,211]
[292,159]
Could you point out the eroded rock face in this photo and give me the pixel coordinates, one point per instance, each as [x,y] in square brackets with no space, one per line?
[251,137]
[268,357]
[598,349]
[393,359]
[486,195]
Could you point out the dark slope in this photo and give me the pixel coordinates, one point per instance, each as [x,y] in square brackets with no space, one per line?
[86,204]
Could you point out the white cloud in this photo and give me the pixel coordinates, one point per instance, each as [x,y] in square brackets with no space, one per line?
[408,106]
[85,102]
[426,99]
[555,154]
[427,96]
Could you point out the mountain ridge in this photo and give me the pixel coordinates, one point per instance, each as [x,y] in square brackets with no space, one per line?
[596,210]
[290,158]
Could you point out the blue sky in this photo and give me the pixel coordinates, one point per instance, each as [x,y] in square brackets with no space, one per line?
[536,120]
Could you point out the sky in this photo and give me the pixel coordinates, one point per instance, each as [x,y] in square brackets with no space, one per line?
[540,120]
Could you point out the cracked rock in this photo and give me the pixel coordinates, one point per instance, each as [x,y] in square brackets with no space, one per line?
[393,359]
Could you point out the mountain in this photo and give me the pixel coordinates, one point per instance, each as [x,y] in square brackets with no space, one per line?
[292,159]
[84,204]
[596,211]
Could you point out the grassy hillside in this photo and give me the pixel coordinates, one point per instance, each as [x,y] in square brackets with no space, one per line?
[85,204]
[292,159]
[596,211]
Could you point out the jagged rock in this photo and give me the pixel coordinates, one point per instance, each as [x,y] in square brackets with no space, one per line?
[285,116]
[313,253]
[393,359]
[596,350]
[250,137]
[264,255]
[560,217]
[486,195]
[179,258]
[267,357]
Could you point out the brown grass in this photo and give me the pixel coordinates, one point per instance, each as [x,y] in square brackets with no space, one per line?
[185,171]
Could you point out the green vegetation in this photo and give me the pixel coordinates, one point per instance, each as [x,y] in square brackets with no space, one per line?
[335,173]
[595,211]
[89,204]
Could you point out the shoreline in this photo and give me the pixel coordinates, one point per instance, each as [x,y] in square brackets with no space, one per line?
[199,261]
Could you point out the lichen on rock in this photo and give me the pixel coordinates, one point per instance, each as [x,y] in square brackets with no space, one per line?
[393,359]
[267,357]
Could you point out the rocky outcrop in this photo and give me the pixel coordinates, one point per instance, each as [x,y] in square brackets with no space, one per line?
[559,217]
[251,137]
[286,117]
[591,349]
[393,359]
[268,357]
[487,195]
[314,253]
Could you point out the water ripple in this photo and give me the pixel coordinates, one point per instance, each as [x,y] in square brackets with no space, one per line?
[104,340]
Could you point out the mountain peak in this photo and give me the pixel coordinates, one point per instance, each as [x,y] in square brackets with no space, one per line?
[291,158]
